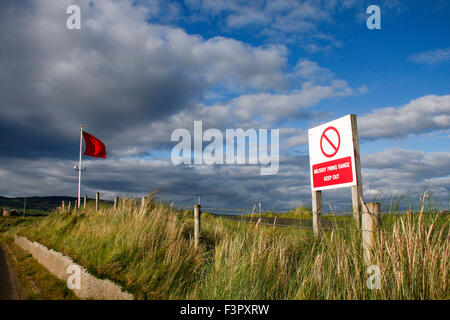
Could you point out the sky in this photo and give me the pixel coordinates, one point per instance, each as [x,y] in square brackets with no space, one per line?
[138,70]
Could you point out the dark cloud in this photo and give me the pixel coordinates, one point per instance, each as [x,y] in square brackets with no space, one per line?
[132,83]
[116,75]
[231,186]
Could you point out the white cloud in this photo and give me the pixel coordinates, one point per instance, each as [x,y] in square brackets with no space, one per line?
[293,137]
[401,171]
[301,23]
[246,17]
[421,164]
[260,110]
[274,107]
[420,115]
[254,110]
[432,57]
[281,21]
[312,71]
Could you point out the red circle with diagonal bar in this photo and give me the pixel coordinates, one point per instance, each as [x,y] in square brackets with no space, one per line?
[331,141]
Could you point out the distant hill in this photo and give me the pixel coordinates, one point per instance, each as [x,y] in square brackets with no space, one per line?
[39,203]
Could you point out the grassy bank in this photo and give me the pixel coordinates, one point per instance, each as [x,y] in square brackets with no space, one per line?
[35,282]
[151,253]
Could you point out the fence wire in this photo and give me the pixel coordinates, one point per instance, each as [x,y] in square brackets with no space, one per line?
[333,228]
[250,216]
[322,213]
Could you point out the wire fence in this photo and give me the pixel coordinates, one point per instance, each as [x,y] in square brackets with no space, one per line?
[300,219]
[247,211]
[250,216]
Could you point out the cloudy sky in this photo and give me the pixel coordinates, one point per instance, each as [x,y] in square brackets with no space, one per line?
[138,70]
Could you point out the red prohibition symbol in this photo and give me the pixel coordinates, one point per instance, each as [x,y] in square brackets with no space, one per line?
[334,144]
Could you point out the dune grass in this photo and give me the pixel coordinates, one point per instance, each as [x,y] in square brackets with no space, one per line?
[150,252]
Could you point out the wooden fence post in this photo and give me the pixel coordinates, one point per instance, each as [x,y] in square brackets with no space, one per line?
[69,206]
[376,212]
[116,202]
[63,205]
[317,212]
[76,205]
[197,224]
[97,201]
[369,226]
[85,201]
[143,202]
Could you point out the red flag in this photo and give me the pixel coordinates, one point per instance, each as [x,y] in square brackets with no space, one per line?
[94,147]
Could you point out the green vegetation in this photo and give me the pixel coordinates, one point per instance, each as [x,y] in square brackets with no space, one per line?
[298,213]
[38,205]
[36,283]
[151,253]
[33,204]
[27,269]
[7,223]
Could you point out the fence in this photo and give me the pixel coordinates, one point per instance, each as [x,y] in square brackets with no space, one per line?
[369,226]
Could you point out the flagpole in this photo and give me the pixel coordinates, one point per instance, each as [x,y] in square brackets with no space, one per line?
[79,166]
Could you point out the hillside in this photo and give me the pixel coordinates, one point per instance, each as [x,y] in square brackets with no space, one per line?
[39,203]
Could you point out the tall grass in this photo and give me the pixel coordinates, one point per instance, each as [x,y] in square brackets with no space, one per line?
[150,251]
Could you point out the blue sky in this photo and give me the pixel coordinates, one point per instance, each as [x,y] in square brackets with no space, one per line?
[379,59]
[138,70]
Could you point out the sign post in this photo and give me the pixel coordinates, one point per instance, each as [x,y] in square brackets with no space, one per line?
[335,163]
[316,211]
[357,192]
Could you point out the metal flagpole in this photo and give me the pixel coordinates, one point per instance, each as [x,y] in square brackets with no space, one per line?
[79,166]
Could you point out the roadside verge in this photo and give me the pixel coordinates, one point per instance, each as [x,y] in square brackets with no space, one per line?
[84,285]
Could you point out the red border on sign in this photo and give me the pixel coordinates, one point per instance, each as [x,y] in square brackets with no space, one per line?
[332,173]
[336,149]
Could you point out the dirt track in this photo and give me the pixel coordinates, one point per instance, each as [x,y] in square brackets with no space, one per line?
[8,289]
